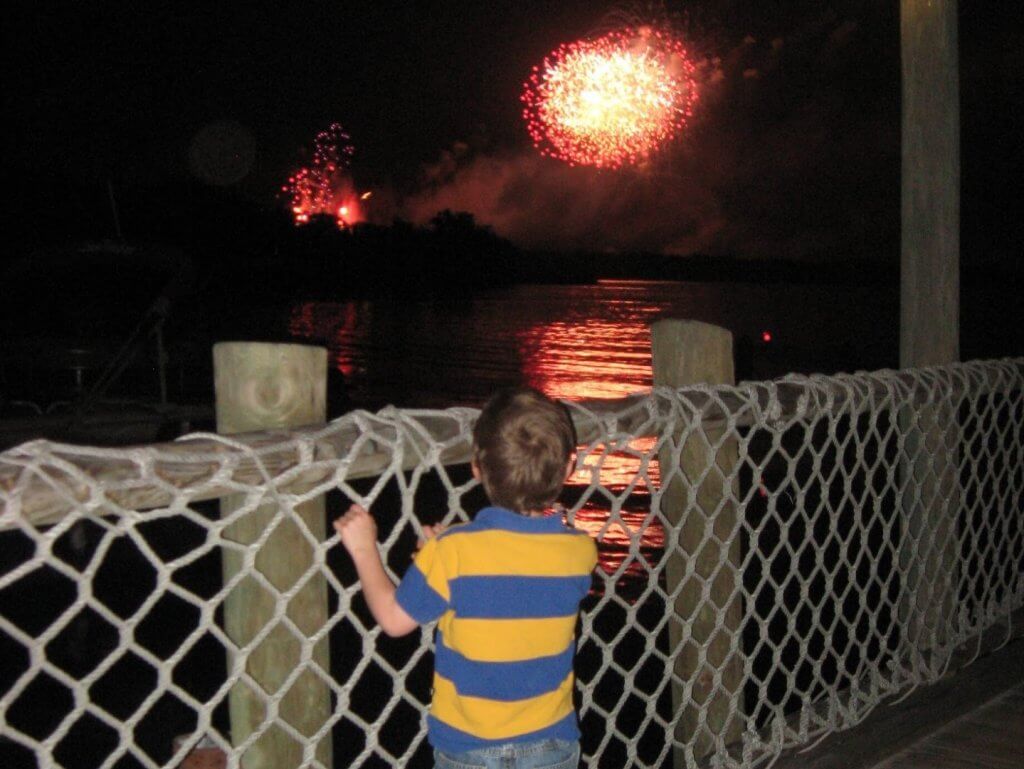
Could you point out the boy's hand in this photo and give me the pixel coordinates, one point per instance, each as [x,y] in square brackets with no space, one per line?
[358,533]
[429,532]
[357,530]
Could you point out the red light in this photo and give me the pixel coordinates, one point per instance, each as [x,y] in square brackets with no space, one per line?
[766,336]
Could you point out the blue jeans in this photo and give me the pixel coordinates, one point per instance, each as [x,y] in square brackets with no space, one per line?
[546,754]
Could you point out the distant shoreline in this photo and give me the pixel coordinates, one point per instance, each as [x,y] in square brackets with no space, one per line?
[555,267]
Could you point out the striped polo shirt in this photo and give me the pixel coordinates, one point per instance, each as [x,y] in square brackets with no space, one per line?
[506,590]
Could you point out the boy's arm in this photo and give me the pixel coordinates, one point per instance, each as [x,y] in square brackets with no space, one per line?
[358,533]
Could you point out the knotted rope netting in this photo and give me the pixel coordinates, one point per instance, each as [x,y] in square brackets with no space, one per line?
[777,559]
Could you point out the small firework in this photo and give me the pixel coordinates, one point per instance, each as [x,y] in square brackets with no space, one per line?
[324,187]
[610,101]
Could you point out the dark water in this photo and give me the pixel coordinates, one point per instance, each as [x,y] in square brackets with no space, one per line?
[588,341]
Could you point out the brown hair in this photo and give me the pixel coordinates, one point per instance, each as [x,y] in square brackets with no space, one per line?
[522,443]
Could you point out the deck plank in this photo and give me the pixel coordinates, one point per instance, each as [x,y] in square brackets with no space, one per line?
[886,737]
[991,737]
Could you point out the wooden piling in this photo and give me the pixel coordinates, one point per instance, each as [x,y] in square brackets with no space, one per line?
[699,505]
[260,387]
[929,318]
[930,186]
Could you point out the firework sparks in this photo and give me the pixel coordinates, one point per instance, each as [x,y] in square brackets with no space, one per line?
[612,100]
[324,187]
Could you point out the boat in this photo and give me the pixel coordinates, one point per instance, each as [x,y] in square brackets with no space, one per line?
[85,355]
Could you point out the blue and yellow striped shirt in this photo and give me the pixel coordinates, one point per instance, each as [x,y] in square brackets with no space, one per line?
[506,589]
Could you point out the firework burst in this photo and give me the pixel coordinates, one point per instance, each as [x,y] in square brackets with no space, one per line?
[324,188]
[610,101]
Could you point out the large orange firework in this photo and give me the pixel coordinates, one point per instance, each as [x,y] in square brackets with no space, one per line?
[610,101]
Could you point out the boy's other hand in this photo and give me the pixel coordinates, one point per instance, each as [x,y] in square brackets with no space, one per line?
[357,530]
[429,532]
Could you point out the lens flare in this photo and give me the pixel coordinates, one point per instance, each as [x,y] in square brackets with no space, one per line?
[324,187]
[610,101]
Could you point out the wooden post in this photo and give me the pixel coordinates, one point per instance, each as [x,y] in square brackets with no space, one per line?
[703,516]
[930,223]
[929,309]
[260,387]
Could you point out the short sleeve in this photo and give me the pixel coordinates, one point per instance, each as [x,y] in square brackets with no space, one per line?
[423,592]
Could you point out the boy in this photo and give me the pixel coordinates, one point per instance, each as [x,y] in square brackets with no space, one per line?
[506,590]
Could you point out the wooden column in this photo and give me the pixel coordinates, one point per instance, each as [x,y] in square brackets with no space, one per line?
[261,387]
[699,505]
[929,310]
[930,223]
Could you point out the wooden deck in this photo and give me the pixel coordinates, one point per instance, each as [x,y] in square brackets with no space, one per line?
[991,737]
[971,718]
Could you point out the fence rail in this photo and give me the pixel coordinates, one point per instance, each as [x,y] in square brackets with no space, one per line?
[148,477]
[862,527]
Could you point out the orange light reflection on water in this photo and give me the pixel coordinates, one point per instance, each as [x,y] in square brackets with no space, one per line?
[633,464]
[310,320]
[616,487]
[593,360]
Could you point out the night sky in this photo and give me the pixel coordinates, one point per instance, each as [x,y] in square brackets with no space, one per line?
[793,150]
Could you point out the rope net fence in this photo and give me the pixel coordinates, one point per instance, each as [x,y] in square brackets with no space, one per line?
[776,559]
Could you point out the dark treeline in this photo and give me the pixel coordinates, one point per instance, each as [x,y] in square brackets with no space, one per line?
[258,253]
[450,255]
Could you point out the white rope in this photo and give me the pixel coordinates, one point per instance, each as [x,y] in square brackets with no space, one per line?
[778,559]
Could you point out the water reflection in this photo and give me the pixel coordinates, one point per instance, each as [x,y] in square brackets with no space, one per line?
[337,325]
[583,341]
[602,358]
[616,484]
[574,356]
[630,545]
[592,359]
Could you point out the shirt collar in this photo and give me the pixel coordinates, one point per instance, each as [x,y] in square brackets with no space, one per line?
[503,518]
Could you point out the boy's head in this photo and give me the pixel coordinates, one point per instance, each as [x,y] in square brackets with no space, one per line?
[522,448]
